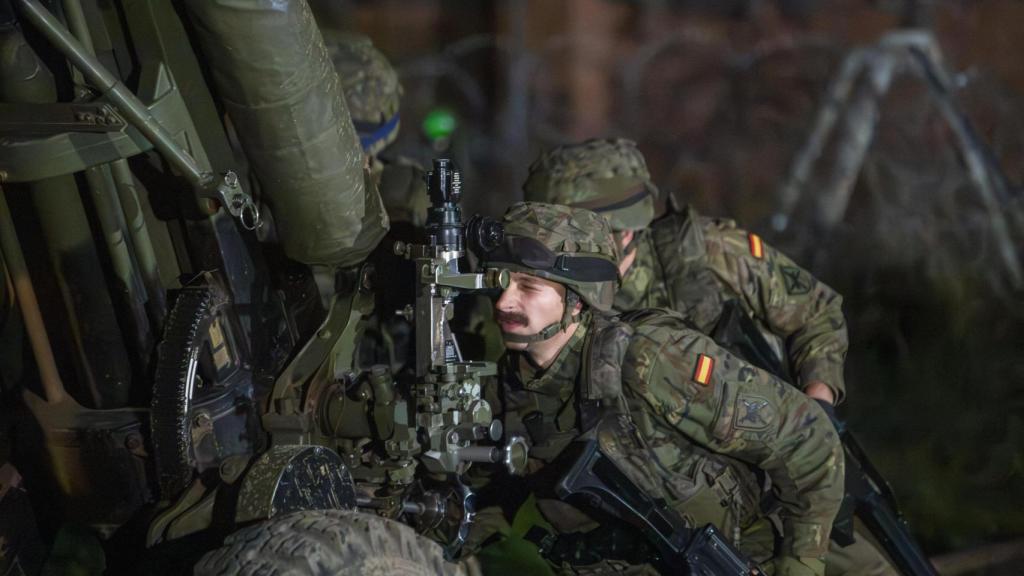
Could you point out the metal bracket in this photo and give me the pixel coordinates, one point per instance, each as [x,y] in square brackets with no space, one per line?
[50,119]
[238,202]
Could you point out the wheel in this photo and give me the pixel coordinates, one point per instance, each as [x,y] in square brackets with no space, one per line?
[335,542]
[202,406]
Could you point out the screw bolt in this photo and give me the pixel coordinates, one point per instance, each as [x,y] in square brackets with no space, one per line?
[133,442]
[201,420]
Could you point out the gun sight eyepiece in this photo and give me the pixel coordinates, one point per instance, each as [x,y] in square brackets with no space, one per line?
[484,234]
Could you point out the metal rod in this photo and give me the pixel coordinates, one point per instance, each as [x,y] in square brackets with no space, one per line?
[836,98]
[145,255]
[107,196]
[99,344]
[75,17]
[26,295]
[985,174]
[130,284]
[128,104]
[78,25]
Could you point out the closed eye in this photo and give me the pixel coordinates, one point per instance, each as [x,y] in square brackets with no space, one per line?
[529,284]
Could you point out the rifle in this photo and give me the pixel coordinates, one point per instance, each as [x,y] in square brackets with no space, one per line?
[867,495]
[597,479]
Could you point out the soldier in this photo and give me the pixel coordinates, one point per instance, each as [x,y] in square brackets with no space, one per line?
[712,423]
[711,272]
[373,94]
[696,265]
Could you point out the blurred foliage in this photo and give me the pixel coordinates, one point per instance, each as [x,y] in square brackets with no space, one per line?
[934,373]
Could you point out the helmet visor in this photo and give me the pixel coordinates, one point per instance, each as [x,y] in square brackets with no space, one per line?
[532,254]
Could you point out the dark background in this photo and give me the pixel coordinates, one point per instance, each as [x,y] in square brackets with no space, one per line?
[722,97]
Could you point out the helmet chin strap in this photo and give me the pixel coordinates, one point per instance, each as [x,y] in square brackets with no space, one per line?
[549,331]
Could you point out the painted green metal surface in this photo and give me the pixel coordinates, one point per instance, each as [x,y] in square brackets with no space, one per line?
[99,349]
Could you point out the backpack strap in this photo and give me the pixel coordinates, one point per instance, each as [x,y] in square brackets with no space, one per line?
[678,243]
[600,384]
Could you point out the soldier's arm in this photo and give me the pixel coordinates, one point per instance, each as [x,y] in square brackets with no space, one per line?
[720,402]
[791,302]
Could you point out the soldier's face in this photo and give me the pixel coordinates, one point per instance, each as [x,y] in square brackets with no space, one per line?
[627,249]
[527,306]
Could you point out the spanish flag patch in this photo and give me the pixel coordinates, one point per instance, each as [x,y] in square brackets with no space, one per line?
[756,246]
[705,367]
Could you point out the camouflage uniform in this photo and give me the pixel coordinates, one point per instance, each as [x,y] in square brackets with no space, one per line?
[698,266]
[710,421]
[373,94]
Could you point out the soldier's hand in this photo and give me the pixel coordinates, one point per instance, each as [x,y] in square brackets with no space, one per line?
[820,391]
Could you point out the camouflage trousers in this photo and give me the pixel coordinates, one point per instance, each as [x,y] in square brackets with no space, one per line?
[861,558]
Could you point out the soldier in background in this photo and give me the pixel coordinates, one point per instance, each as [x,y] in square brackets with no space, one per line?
[709,422]
[710,271]
[373,94]
[699,266]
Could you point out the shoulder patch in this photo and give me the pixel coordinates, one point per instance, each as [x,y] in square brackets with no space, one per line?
[797,281]
[704,369]
[756,245]
[753,413]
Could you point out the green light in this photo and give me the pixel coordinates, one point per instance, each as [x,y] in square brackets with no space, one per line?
[439,123]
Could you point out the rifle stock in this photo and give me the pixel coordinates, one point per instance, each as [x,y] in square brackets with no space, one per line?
[596,479]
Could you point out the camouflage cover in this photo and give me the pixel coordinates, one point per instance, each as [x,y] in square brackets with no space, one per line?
[608,176]
[285,100]
[564,231]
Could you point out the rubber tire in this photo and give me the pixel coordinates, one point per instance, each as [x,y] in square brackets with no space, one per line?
[184,331]
[335,542]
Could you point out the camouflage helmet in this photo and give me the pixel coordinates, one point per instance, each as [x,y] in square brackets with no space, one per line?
[608,176]
[371,87]
[571,246]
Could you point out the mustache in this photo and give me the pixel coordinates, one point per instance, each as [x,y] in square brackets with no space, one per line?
[511,318]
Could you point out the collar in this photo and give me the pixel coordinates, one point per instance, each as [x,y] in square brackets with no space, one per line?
[637,282]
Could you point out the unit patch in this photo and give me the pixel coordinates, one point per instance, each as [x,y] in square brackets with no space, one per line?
[797,281]
[705,367]
[753,413]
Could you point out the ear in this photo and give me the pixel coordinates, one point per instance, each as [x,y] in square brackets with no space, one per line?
[577,308]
